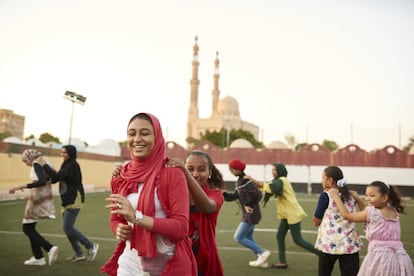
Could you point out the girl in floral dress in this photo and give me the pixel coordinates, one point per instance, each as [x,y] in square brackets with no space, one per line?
[386,254]
[338,238]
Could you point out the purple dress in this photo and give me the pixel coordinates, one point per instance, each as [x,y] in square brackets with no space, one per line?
[386,254]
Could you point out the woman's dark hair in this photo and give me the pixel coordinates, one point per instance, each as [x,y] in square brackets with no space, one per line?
[336,174]
[216,178]
[141,116]
[393,194]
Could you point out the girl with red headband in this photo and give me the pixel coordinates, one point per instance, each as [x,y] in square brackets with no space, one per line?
[249,197]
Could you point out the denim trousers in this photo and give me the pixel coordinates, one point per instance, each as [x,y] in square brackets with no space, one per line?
[244,236]
[74,235]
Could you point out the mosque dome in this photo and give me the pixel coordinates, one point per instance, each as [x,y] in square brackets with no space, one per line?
[110,147]
[77,143]
[35,142]
[241,144]
[13,140]
[106,147]
[228,106]
[277,145]
[54,145]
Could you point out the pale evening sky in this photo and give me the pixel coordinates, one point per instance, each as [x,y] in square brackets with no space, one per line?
[337,70]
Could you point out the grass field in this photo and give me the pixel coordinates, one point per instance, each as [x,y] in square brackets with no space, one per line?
[93,221]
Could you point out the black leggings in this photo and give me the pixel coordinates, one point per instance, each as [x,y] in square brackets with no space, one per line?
[348,264]
[37,242]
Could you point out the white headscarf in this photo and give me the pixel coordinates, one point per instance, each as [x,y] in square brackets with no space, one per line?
[31,155]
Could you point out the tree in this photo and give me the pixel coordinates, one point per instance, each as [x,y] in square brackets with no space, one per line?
[31,136]
[4,135]
[330,145]
[215,137]
[291,140]
[409,145]
[46,138]
[223,138]
[300,146]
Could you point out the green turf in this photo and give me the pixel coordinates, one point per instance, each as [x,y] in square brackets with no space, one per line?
[93,221]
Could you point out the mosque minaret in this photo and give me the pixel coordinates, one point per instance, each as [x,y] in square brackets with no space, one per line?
[216,92]
[224,113]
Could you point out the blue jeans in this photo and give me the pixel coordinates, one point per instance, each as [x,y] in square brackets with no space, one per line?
[74,235]
[244,236]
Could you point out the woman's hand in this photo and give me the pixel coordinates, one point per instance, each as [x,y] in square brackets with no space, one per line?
[361,204]
[333,192]
[176,162]
[248,209]
[354,194]
[120,205]
[14,189]
[123,232]
[117,171]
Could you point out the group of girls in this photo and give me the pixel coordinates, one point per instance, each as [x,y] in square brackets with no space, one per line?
[164,213]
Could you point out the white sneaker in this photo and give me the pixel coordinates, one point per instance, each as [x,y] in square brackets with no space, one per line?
[262,258]
[53,253]
[92,252]
[254,264]
[34,261]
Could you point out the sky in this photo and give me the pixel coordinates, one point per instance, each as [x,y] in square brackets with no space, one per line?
[317,70]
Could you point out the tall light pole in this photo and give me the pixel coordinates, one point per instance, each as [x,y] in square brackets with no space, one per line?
[74,98]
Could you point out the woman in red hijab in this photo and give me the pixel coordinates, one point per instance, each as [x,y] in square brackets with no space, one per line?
[149,208]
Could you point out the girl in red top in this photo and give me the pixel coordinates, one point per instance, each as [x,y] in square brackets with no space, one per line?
[149,208]
[205,183]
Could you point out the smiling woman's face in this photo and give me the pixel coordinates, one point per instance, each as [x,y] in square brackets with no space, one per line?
[140,138]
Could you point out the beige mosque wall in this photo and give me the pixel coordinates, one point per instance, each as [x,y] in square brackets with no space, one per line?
[96,174]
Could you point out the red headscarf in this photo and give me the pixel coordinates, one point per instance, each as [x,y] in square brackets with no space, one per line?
[237,164]
[145,171]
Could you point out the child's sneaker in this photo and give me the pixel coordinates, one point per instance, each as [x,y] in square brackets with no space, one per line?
[92,252]
[263,265]
[261,258]
[53,253]
[34,261]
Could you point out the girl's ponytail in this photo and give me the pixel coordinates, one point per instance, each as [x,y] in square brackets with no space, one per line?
[394,197]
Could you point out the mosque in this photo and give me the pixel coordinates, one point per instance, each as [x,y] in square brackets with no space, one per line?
[224,112]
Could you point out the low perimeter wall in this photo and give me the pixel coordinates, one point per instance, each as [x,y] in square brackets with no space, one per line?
[306,179]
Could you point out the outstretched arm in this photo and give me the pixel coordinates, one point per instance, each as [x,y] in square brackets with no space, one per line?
[361,204]
[255,181]
[354,217]
[51,172]
[41,180]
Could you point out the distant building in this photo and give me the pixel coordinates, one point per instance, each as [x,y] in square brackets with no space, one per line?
[224,113]
[12,122]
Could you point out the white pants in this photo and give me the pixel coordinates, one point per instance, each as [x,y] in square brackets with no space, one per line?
[129,263]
